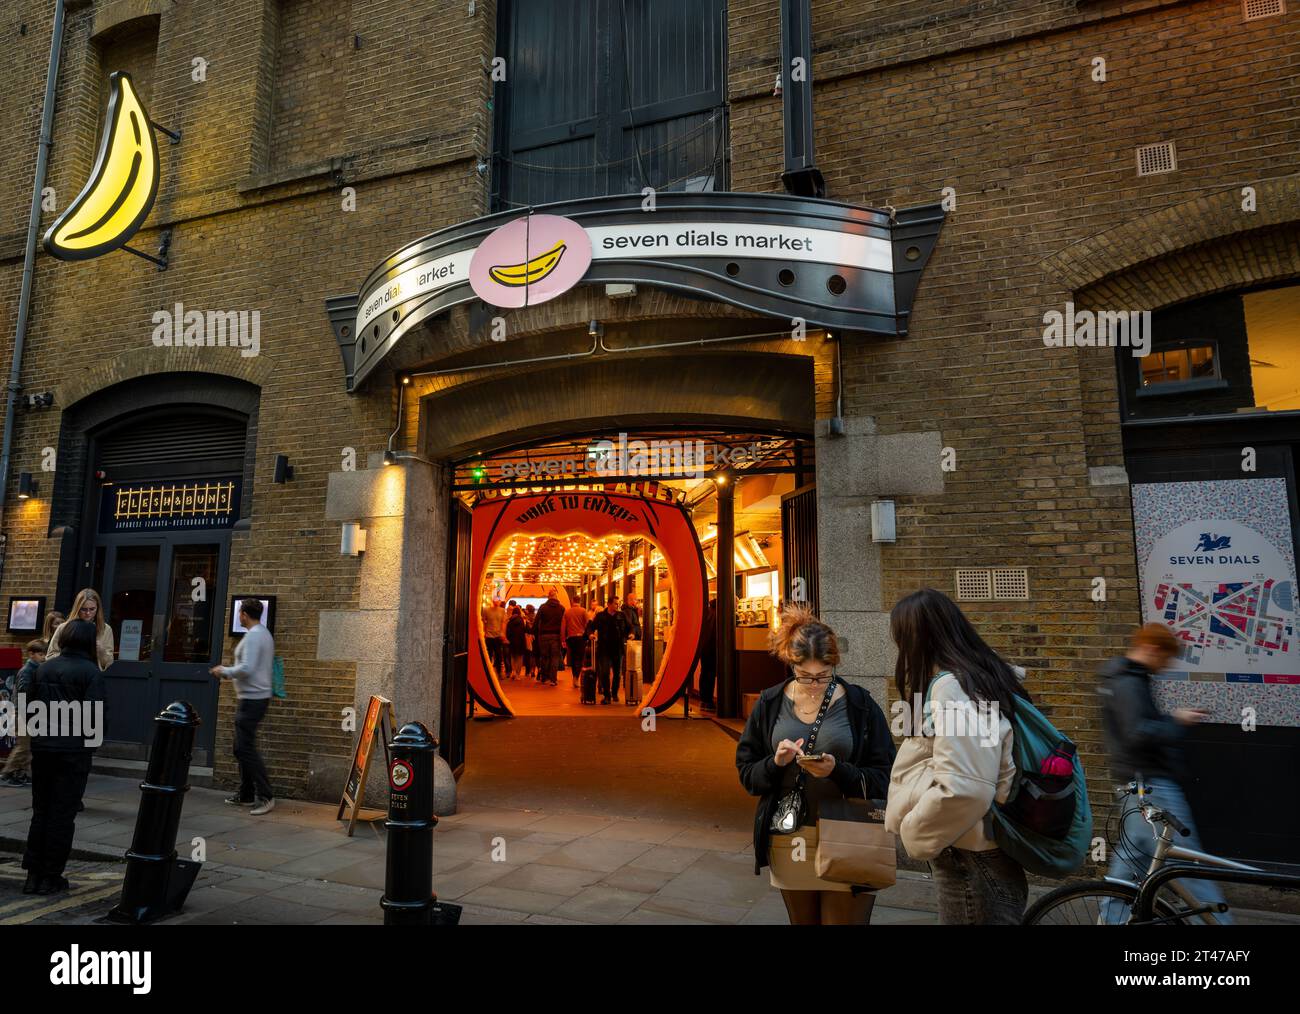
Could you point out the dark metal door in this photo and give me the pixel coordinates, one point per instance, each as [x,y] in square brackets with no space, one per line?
[455,667]
[799,546]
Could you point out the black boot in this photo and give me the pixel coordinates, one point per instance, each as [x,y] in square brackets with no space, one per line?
[33,882]
[53,885]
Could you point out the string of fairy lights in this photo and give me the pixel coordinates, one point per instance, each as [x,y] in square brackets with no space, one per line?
[553,560]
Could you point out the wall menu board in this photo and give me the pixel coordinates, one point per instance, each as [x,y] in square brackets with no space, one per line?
[1217,565]
[168,506]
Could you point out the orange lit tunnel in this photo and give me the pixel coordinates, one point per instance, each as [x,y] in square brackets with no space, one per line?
[598,514]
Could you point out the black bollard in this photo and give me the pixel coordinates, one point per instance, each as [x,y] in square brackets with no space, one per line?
[156,881]
[408,881]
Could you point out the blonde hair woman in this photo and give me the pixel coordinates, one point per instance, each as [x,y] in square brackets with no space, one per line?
[850,756]
[89,607]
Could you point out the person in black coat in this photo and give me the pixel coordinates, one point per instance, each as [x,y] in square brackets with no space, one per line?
[851,757]
[69,690]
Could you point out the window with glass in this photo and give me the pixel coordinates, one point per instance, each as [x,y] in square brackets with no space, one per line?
[1231,353]
[609,97]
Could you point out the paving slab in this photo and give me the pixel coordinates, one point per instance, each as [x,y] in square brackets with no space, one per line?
[549,879]
[600,904]
[527,902]
[469,877]
[595,854]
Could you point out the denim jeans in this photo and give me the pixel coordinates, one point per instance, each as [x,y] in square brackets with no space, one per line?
[979,888]
[1131,855]
[253,783]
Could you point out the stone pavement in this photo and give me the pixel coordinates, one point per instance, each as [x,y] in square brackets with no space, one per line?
[296,865]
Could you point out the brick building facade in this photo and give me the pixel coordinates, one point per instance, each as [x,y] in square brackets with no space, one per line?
[317,138]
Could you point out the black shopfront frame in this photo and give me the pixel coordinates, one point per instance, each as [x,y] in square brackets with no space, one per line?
[138,689]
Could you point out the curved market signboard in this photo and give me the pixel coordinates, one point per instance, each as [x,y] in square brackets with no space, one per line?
[831,265]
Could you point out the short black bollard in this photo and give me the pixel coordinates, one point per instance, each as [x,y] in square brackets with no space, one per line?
[408,881]
[156,881]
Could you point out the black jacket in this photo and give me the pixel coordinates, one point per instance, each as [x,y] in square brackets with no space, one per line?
[66,679]
[516,632]
[611,633]
[1139,737]
[873,756]
[550,619]
[633,617]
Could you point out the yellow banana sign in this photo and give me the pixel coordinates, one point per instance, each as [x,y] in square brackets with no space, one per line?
[529,272]
[122,186]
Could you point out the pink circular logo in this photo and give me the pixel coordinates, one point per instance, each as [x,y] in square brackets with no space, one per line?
[530,260]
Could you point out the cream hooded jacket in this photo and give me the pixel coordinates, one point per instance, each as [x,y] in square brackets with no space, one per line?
[941,786]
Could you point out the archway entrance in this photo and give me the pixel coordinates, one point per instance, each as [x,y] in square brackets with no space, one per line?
[579,517]
[620,512]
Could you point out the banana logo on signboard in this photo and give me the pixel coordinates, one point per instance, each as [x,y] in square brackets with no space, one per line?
[529,272]
[122,186]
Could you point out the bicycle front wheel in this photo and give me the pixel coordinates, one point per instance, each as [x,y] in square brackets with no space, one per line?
[1085,902]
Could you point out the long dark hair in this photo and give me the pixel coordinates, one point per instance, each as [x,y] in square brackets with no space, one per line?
[932,635]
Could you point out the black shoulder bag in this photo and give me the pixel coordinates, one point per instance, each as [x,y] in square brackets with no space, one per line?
[791,809]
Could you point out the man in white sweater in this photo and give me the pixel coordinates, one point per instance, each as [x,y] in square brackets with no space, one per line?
[251,675]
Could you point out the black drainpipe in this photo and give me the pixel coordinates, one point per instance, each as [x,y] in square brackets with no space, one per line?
[801,176]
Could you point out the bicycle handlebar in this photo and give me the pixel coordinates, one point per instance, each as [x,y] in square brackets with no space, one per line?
[1177,824]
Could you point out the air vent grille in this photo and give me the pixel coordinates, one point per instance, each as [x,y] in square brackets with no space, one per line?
[980,584]
[974,584]
[1253,10]
[1011,583]
[1153,159]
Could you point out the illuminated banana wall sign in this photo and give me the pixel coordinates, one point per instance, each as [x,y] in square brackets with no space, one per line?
[123,184]
[530,260]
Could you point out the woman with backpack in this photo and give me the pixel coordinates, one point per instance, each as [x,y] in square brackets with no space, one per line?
[950,772]
[810,740]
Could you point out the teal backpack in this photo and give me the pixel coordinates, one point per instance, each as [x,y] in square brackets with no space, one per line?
[1046,823]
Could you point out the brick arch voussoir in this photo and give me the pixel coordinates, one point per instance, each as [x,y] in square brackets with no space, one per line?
[1171,232]
[150,361]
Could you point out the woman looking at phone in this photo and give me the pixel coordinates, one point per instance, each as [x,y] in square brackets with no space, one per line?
[849,755]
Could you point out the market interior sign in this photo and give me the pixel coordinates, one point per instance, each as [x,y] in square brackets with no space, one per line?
[830,265]
[123,183]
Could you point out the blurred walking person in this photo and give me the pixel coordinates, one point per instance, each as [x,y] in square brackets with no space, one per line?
[1144,743]
[251,675]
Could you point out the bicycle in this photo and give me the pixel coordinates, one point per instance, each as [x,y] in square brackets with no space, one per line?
[1081,902]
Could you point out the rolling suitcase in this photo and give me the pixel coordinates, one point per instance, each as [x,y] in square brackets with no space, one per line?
[588,686]
[632,673]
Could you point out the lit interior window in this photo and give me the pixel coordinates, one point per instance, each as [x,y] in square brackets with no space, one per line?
[1273,334]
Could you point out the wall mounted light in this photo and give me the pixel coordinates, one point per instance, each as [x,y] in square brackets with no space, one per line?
[882,522]
[26,485]
[354,539]
[283,470]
